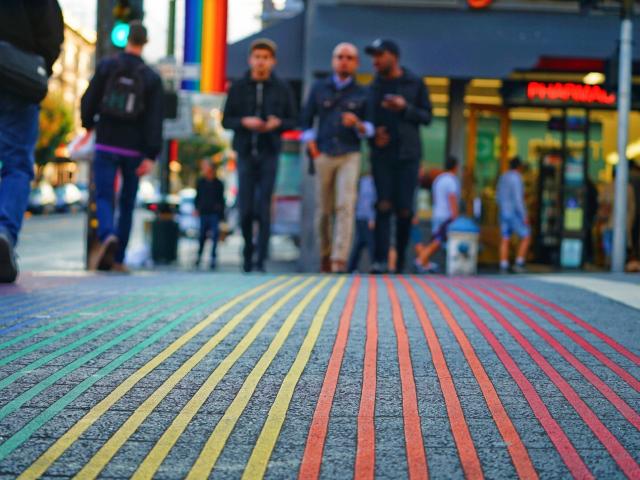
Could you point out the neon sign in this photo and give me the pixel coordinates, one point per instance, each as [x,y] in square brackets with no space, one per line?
[479,3]
[570,93]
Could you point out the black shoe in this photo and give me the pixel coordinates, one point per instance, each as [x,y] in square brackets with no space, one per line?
[8,266]
[247,266]
[378,268]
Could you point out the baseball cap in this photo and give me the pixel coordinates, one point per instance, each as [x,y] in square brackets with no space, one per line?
[265,43]
[380,45]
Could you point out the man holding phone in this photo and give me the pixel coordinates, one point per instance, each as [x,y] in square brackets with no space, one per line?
[398,103]
[339,104]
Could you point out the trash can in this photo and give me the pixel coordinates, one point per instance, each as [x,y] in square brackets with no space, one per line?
[462,247]
[164,240]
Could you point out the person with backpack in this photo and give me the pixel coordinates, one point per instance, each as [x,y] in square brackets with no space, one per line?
[259,108]
[31,36]
[124,104]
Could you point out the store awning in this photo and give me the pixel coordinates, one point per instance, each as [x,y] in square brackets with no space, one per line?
[288,34]
[464,44]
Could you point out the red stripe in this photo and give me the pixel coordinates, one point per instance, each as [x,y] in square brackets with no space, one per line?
[621,372]
[565,448]
[602,387]
[624,460]
[519,455]
[416,457]
[602,336]
[312,459]
[366,452]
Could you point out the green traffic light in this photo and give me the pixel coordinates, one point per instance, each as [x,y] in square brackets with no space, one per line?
[120,34]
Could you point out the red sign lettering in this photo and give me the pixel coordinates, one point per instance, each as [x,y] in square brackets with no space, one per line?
[570,93]
[479,3]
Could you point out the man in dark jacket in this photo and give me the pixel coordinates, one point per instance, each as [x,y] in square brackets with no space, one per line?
[399,103]
[210,205]
[34,26]
[128,140]
[259,108]
[339,104]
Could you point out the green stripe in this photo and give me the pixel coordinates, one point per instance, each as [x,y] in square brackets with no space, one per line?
[17,402]
[30,428]
[75,316]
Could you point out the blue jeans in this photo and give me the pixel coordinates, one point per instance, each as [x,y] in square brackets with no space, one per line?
[105,167]
[209,224]
[18,136]
[363,239]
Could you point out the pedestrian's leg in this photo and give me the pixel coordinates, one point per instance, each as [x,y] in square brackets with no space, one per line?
[246,192]
[382,180]
[325,196]
[266,184]
[18,136]
[215,234]
[405,183]
[202,238]
[346,193]
[359,244]
[504,253]
[523,250]
[104,172]
[130,182]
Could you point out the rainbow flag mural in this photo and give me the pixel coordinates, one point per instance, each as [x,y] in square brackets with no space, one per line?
[205,42]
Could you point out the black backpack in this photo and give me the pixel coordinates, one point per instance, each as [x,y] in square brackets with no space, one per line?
[124,92]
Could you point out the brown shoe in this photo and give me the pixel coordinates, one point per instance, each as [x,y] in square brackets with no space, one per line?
[338,266]
[120,268]
[325,265]
[103,257]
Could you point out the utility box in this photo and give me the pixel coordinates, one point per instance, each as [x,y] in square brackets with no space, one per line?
[462,247]
[164,240]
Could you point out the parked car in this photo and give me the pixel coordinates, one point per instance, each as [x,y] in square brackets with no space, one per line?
[42,198]
[68,197]
[187,221]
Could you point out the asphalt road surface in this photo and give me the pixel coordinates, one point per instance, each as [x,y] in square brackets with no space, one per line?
[189,375]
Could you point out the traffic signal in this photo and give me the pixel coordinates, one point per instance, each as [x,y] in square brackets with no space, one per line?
[124,12]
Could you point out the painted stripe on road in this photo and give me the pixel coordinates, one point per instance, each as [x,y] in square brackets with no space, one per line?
[263,448]
[40,466]
[414,443]
[366,450]
[558,437]
[621,456]
[518,452]
[578,321]
[623,292]
[99,461]
[169,438]
[317,436]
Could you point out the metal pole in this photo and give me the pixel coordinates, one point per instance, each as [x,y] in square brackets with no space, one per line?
[171,38]
[618,259]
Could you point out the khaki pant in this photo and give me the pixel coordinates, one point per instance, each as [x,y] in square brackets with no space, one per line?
[336,191]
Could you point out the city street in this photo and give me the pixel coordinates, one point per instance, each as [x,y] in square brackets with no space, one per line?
[182,374]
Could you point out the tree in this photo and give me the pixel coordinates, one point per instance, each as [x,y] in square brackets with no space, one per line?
[56,123]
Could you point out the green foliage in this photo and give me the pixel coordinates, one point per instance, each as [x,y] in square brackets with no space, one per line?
[56,123]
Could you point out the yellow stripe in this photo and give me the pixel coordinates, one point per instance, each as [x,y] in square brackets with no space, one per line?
[111,447]
[214,446]
[164,445]
[40,466]
[263,448]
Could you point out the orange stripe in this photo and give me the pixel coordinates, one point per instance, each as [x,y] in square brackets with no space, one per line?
[466,449]
[416,457]
[312,458]
[366,452]
[208,27]
[519,455]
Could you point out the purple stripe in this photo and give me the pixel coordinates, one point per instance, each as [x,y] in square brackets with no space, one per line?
[118,151]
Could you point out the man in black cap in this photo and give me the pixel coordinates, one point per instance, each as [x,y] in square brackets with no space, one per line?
[36,28]
[124,103]
[259,108]
[398,103]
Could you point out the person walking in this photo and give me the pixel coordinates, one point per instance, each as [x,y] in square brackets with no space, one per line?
[259,108]
[398,105]
[210,205]
[124,104]
[365,222]
[513,216]
[35,29]
[339,104]
[446,199]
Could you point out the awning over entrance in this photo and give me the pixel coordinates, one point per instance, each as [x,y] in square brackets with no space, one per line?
[464,44]
[288,34]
